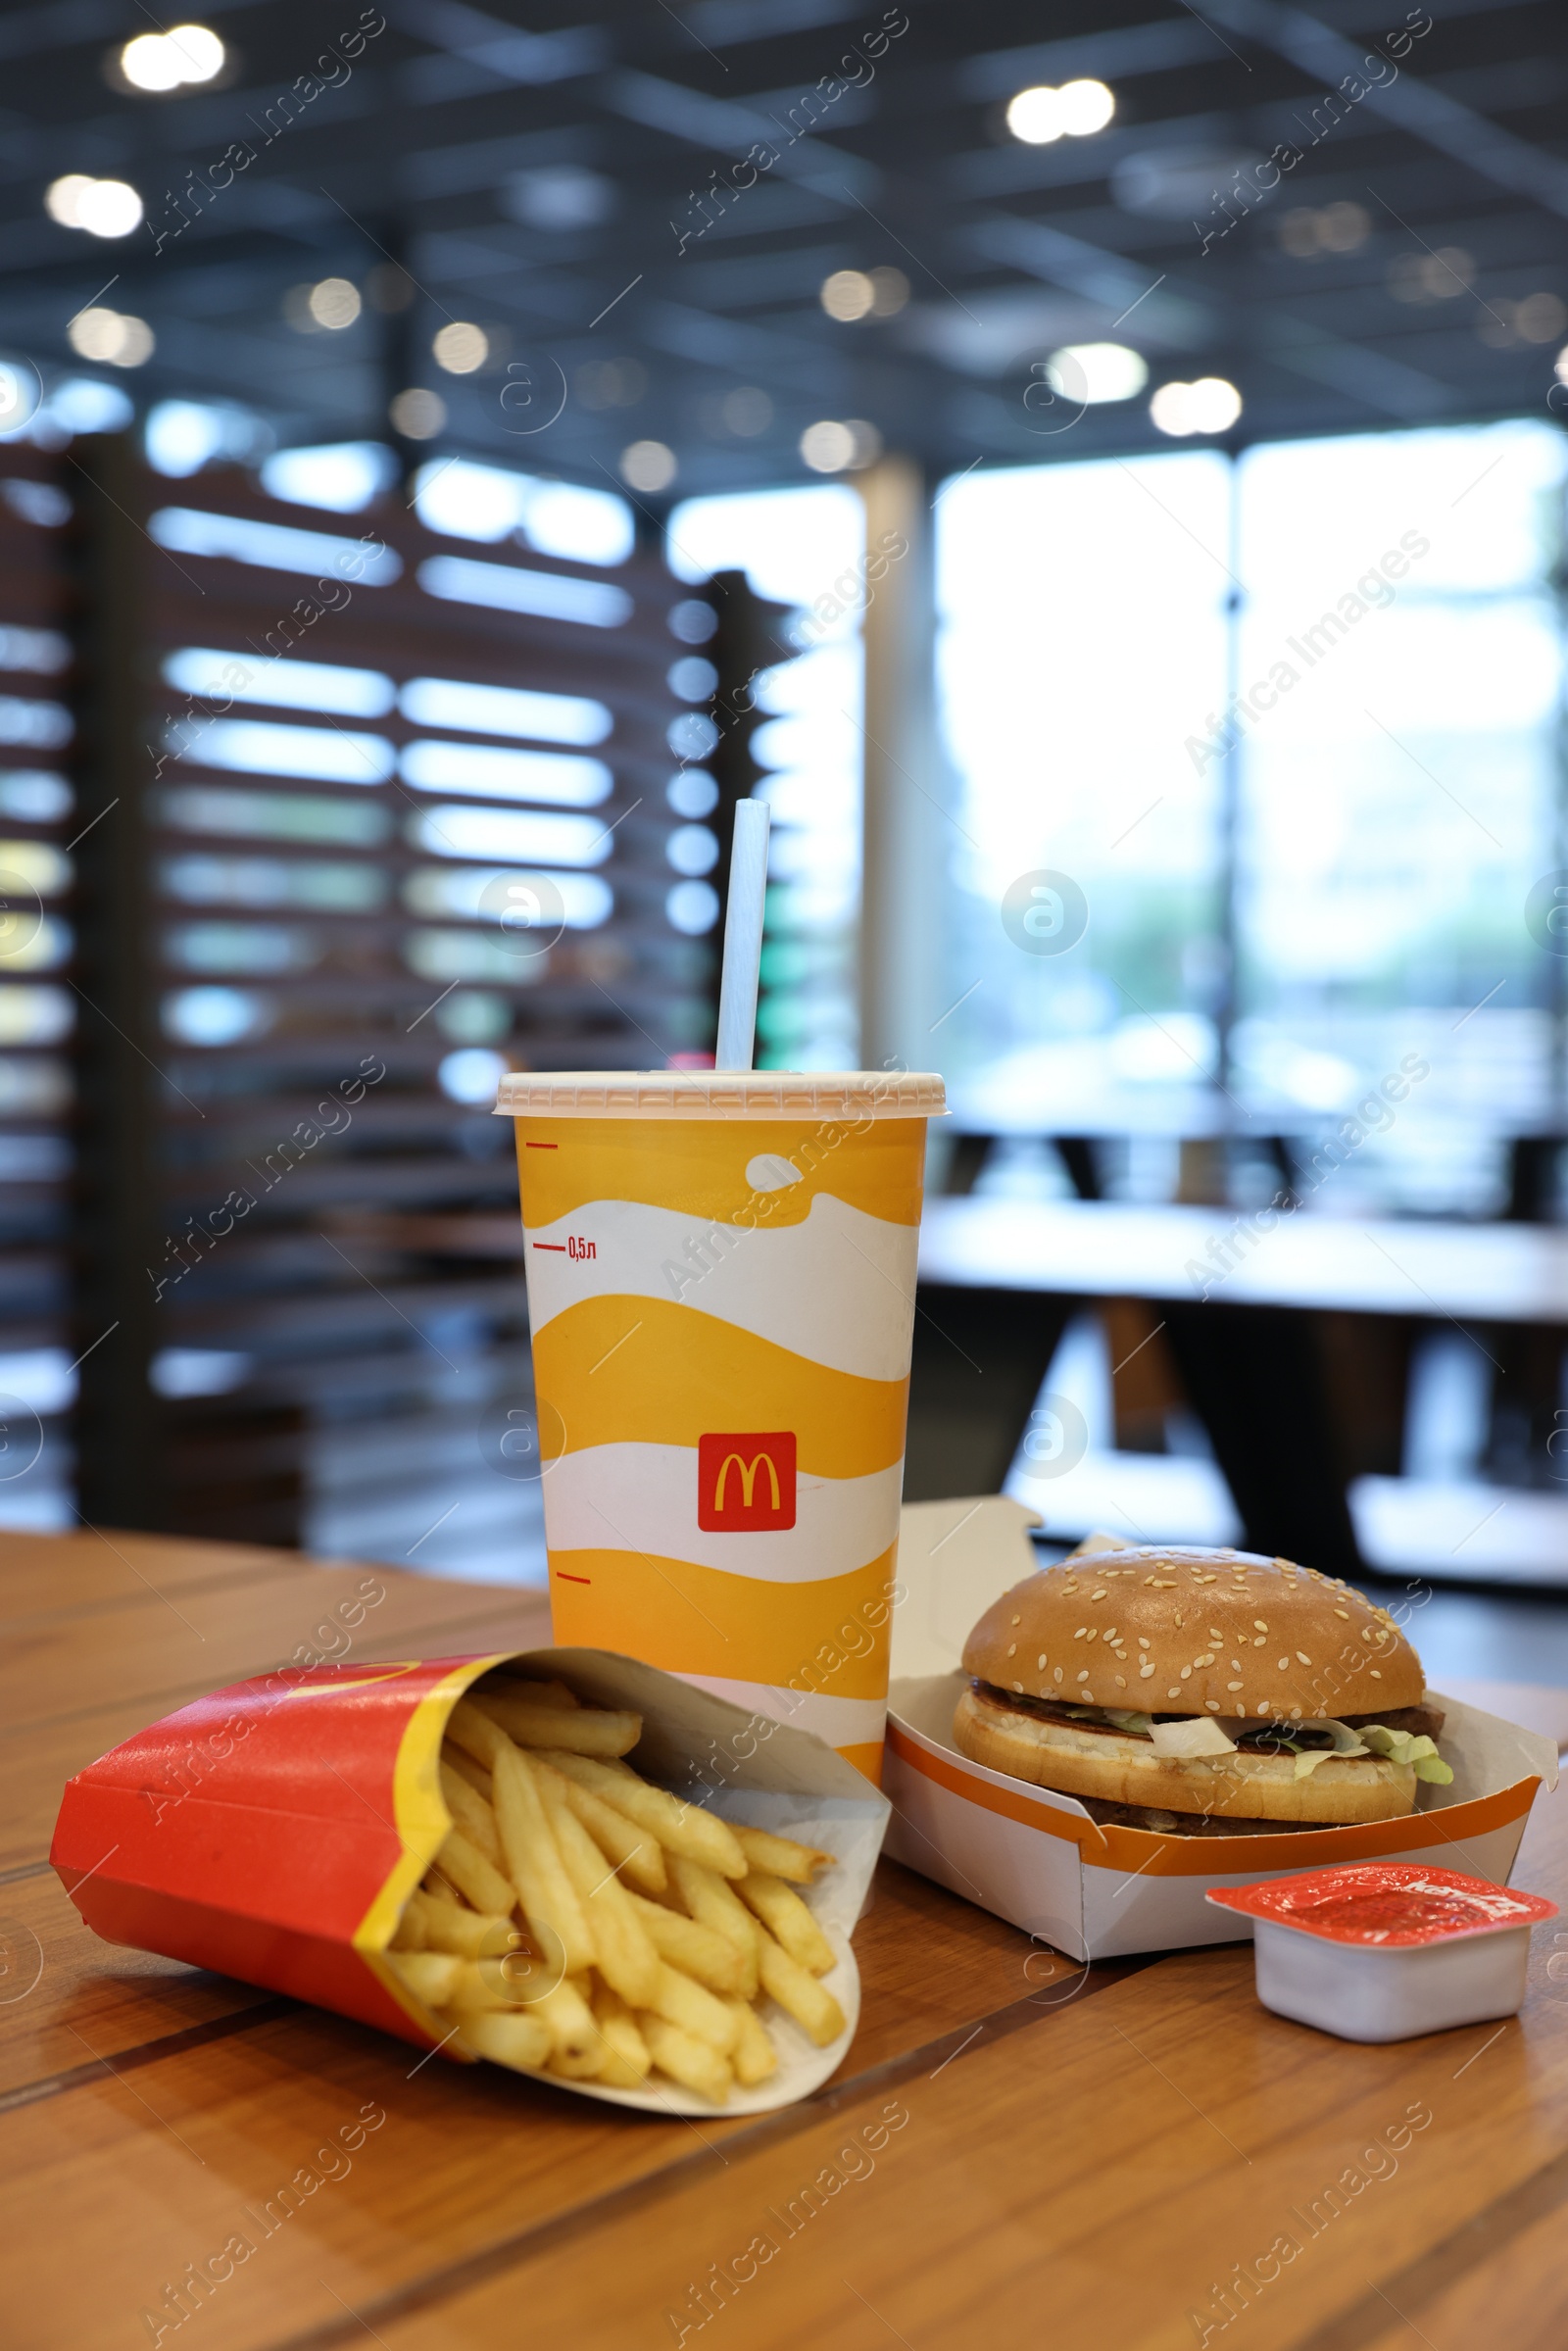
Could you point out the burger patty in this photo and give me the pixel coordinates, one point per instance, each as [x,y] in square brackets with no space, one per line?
[1422,1722]
[1187,1824]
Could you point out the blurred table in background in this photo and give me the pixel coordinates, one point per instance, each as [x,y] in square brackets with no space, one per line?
[1291,1334]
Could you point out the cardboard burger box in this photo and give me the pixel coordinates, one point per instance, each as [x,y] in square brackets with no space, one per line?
[1036,1858]
[274,1830]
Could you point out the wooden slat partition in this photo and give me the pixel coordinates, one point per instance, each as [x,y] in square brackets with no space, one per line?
[281,1214]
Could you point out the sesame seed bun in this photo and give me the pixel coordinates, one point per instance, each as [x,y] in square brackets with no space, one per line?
[1190,1632]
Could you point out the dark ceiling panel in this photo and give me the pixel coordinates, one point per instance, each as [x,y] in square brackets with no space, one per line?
[438,149]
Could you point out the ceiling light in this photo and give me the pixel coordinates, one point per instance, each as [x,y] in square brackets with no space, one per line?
[848,294]
[333,303]
[114,338]
[161,60]
[1093,372]
[1040,115]
[62,197]
[891,291]
[1211,404]
[840,444]
[460,348]
[1086,107]
[104,207]
[648,465]
[417,414]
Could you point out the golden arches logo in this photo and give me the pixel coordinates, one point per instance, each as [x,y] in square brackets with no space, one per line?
[746,1503]
[748,1470]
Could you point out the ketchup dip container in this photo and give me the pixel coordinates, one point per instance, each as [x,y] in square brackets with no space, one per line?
[1388,1949]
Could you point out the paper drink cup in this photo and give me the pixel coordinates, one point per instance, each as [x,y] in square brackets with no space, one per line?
[720,1273]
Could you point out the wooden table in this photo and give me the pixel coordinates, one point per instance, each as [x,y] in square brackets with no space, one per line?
[1362,1265]
[1015,2150]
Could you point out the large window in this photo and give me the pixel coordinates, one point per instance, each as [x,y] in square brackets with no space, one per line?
[1290,727]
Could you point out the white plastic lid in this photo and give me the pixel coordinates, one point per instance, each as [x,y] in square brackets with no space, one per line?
[722,1094]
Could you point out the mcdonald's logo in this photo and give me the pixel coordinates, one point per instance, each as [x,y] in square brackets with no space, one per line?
[745,1482]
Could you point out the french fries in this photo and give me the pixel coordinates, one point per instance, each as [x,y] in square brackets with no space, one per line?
[680,1827]
[533,1937]
[711,1899]
[798,1994]
[549,1899]
[780,1856]
[687,1944]
[788,1920]
[638,1857]
[585,1729]
[471,1813]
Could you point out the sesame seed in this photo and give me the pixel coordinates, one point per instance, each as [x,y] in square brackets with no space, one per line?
[1041,1659]
[1344,1612]
[1296,1714]
[1258,1624]
[1100,1594]
[1012,1648]
[1094,1633]
[1284,1664]
[1262,1705]
[1121,1681]
[1017,1620]
[1212,1704]
[1207,1660]
[1173,1694]
[1234,1685]
[1236,1665]
[1018,1686]
[1082,1630]
[1084,1676]
[1187,1673]
[1376,1676]
[1302,1657]
[1055,1673]
[1257,1641]
[1143,1672]
[1215,1636]
[1142,1642]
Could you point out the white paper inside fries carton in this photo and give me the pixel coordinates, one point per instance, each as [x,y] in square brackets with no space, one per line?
[1038,1857]
[566,1862]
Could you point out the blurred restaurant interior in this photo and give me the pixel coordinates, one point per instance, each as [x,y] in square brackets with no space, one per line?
[1105,492]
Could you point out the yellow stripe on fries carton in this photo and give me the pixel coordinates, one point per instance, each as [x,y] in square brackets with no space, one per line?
[1039,1859]
[567,1863]
[720,1272]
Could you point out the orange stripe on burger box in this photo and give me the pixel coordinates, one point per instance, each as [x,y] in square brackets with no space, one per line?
[1146,1853]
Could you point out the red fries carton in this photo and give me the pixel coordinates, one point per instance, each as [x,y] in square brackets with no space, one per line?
[276,1830]
[1038,1859]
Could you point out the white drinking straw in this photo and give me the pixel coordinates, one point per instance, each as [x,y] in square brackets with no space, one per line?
[743,937]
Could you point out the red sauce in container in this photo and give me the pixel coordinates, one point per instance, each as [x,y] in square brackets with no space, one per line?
[1391,1904]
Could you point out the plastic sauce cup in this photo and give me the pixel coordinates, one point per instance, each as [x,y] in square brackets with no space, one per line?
[720,1273]
[1385,1949]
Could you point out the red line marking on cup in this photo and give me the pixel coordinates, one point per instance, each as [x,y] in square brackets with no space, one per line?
[562,1576]
[558,1246]
[541,1147]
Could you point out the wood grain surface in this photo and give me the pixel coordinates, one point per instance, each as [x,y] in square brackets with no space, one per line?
[1015,2148]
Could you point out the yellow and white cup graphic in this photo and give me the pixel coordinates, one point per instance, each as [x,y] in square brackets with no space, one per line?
[720,1272]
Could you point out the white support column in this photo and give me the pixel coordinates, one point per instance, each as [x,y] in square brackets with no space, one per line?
[906,839]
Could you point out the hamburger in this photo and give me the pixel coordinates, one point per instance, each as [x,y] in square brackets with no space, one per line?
[1199,1692]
